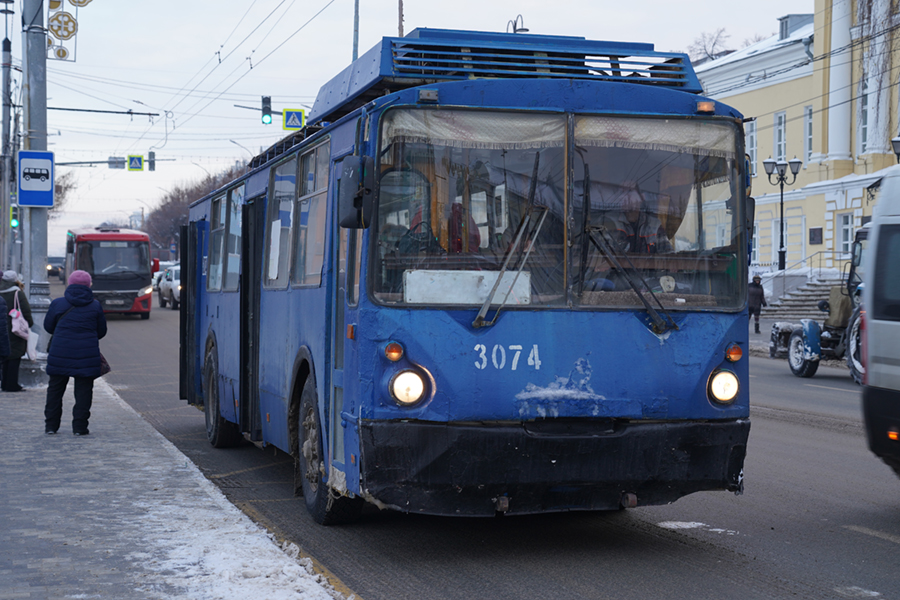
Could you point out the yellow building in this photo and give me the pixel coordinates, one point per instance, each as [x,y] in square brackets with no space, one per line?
[823,90]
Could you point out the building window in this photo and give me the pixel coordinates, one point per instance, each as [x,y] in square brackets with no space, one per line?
[780,141]
[845,232]
[750,142]
[807,134]
[864,119]
[754,245]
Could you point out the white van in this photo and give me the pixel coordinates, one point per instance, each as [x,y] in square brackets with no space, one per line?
[881,352]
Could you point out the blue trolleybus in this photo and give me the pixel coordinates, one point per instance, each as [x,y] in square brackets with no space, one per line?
[493,274]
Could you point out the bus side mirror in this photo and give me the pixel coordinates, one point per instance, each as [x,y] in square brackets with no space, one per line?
[154,266]
[70,246]
[356,194]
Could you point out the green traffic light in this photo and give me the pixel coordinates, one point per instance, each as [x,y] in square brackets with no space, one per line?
[14,223]
[267,119]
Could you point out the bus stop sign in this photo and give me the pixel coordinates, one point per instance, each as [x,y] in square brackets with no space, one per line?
[35,178]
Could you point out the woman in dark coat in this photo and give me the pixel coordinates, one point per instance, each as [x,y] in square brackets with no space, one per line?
[77,323]
[757,299]
[9,289]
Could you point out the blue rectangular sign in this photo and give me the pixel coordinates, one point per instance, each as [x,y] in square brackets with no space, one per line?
[35,174]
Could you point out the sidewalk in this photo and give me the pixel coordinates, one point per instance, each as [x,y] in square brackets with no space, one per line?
[123,514]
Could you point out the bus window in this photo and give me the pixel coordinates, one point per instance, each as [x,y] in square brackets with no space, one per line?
[233,239]
[283,190]
[216,235]
[309,246]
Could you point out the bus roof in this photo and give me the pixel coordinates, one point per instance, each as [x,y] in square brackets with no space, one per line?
[427,56]
[105,233]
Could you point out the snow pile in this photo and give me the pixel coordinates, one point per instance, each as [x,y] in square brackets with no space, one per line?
[199,543]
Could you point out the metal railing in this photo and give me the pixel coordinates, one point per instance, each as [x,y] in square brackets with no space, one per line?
[809,262]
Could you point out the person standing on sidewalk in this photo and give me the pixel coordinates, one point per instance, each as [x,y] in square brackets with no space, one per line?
[757,300]
[77,323]
[11,291]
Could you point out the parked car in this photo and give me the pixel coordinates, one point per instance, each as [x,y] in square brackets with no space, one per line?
[170,288]
[157,277]
[56,267]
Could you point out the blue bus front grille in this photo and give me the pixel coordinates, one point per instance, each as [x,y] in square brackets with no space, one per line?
[427,61]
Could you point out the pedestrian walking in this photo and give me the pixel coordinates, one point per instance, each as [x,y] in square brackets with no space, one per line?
[757,300]
[77,323]
[13,293]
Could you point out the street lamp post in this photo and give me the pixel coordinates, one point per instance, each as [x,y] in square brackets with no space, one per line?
[895,144]
[779,169]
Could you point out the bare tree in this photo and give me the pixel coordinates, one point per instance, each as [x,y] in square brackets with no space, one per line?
[63,186]
[165,221]
[709,45]
[755,39]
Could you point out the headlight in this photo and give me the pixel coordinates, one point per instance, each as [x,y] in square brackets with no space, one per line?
[407,387]
[724,387]
[146,291]
[179,288]
[49,267]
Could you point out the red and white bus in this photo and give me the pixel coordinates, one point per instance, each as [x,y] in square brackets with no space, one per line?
[120,265]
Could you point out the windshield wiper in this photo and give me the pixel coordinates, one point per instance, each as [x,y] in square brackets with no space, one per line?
[123,272]
[602,243]
[527,221]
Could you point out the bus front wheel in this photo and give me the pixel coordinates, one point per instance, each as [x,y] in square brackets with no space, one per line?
[219,432]
[325,506]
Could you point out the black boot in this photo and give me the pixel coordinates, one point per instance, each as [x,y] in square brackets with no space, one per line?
[757,327]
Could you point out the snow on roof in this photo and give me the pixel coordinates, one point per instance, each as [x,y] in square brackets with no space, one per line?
[767,45]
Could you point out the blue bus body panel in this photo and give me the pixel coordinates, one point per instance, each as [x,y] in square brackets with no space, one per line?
[591,365]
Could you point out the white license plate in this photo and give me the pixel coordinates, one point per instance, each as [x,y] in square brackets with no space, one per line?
[115,302]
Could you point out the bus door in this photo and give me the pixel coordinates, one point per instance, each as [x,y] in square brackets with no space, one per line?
[344,405]
[251,250]
[189,364]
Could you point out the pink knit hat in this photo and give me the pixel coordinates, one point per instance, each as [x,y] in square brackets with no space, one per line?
[80,278]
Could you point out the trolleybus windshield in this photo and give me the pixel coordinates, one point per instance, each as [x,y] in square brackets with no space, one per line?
[454,190]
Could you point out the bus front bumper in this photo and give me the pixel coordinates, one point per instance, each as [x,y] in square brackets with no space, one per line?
[526,468]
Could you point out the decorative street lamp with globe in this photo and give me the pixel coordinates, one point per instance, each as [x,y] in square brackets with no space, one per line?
[779,169]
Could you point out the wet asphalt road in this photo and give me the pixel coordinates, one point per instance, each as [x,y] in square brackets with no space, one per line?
[820,517]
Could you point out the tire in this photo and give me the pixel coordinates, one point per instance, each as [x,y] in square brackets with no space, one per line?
[801,367]
[145,316]
[219,432]
[162,300]
[174,302]
[854,347]
[323,505]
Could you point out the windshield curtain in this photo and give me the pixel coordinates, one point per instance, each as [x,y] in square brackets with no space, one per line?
[663,195]
[114,258]
[454,193]
[457,200]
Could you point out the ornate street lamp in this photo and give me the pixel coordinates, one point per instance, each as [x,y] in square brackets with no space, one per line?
[895,144]
[779,170]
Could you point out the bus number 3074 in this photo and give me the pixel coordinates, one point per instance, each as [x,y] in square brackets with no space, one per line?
[498,356]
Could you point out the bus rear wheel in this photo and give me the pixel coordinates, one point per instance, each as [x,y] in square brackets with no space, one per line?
[324,505]
[219,432]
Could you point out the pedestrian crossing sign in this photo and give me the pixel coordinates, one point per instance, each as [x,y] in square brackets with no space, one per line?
[135,162]
[293,118]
